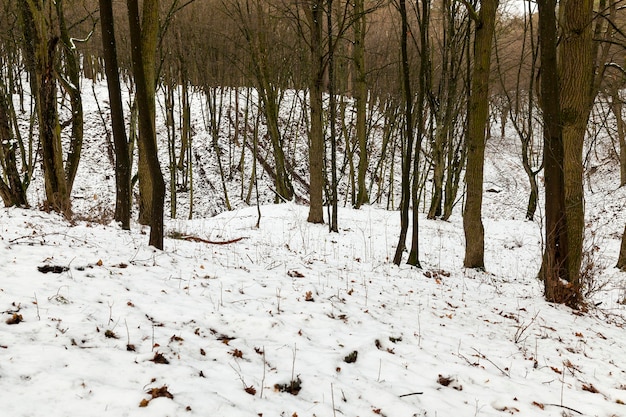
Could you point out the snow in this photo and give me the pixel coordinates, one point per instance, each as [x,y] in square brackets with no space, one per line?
[234,316]
[238,322]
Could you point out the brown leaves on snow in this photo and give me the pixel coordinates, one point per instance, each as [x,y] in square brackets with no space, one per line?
[156,393]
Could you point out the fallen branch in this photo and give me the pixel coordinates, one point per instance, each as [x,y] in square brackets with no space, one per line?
[211,242]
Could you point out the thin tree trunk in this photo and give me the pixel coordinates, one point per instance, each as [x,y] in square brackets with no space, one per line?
[616,107]
[122,156]
[71,83]
[420,125]
[12,191]
[407,151]
[332,113]
[360,98]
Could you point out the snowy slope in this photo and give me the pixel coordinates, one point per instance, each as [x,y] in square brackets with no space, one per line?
[291,302]
[288,302]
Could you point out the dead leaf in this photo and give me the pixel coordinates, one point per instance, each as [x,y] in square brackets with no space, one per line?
[159,358]
[15,319]
[536,404]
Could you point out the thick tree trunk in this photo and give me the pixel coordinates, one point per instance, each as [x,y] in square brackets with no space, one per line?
[478,119]
[576,62]
[149,35]
[554,270]
[316,134]
[122,159]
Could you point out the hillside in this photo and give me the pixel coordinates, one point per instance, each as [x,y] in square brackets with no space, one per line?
[289,320]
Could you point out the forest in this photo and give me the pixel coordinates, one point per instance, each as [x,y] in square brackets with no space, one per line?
[332,103]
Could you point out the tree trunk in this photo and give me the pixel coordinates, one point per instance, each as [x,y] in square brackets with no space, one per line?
[147,136]
[424,74]
[71,83]
[407,151]
[576,63]
[478,119]
[149,30]
[40,57]
[12,191]
[616,108]
[554,270]
[621,260]
[316,134]
[122,158]
[57,193]
[360,98]
[332,113]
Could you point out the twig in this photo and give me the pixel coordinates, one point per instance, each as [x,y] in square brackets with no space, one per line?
[332,397]
[491,362]
[566,407]
[37,304]
[263,379]
[412,393]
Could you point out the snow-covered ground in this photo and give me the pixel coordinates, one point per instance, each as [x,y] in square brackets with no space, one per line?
[290,320]
[290,302]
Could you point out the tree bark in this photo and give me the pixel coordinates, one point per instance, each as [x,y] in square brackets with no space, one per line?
[149,30]
[478,119]
[71,83]
[554,270]
[360,98]
[40,56]
[576,66]
[13,191]
[407,151]
[316,134]
[621,260]
[424,74]
[332,114]
[616,106]
[147,135]
[122,157]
